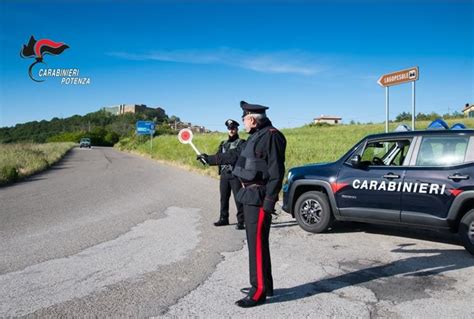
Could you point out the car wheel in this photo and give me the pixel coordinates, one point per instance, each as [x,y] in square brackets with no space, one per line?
[466,231]
[313,213]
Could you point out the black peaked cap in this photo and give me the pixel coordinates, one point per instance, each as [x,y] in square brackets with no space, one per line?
[231,124]
[252,108]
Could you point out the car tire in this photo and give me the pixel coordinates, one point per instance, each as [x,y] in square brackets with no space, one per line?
[313,213]
[466,231]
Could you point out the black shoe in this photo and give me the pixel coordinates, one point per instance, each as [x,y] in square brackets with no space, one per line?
[248,302]
[240,226]
[221,222]
[246,290]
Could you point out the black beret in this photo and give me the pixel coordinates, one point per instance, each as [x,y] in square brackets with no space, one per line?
[231,124]
[252,108]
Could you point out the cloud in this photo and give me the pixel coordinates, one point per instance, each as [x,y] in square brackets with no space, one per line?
[285,62]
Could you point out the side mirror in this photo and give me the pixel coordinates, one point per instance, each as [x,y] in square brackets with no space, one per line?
[355,160]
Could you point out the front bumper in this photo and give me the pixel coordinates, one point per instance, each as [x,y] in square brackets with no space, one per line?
[285,207]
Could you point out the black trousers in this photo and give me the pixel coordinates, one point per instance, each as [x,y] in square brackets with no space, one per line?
[228,184]
[257,225]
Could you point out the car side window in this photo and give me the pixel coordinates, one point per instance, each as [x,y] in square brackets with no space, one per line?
[390,152]
[442,151]
[400,157]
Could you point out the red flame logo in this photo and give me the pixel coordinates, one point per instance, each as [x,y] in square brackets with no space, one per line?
[38,49]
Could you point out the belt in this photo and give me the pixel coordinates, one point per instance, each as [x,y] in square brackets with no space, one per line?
[252,184]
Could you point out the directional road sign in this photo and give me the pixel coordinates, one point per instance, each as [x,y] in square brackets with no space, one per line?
[399,77]
[145,127]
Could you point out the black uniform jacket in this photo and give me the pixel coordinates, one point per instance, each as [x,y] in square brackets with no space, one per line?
[270,147]
[224,147]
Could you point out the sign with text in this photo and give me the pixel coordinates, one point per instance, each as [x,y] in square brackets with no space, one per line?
[145,128]
[399,77]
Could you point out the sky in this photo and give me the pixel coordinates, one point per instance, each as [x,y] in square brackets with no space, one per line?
[199,59]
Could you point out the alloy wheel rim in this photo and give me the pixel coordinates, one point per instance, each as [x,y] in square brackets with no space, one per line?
[470,232]
[311,212]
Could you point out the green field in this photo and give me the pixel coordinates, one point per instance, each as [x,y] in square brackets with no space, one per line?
[308,144]
[21,160]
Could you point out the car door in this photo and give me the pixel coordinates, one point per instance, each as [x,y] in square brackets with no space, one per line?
[369,190]
[440,171]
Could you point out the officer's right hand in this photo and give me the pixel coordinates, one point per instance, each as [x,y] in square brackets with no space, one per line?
[203,158]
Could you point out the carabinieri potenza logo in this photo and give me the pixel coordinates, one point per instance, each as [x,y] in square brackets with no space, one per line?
[38,50]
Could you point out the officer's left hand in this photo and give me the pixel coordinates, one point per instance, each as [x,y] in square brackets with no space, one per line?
[268,207]
[203,158]
[273,212]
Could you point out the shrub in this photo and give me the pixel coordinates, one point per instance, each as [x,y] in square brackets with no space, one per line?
[9,174]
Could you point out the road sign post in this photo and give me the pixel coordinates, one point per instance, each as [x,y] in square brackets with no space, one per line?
[413,105]
[386,109]
[395,78]
[146,128]
[151,141]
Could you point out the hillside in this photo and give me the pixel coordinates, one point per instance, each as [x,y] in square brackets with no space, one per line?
[102,127]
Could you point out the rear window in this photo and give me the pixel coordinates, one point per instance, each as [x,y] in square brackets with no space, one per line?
[442,151]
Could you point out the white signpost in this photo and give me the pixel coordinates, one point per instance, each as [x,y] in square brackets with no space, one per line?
[399,77]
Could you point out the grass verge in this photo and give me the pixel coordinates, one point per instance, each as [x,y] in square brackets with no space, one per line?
[20,160]
[307,144]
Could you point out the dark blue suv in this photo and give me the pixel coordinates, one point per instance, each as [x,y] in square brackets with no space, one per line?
[420,178]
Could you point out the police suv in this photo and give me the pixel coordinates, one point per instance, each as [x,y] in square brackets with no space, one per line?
[414,178]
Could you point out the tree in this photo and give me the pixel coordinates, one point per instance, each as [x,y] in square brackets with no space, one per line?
[174,119]
[427,117]
[404,116]
[104,128]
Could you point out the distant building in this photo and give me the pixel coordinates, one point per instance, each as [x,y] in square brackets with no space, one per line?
[328,119]
[468,110]
[199,129]
[195,128]
[179,125]
[131,108]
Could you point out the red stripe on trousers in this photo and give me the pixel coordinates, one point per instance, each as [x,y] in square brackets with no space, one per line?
[258,250]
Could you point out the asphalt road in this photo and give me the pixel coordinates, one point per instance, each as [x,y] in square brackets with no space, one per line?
[105,233]
[111,234]
[354,271]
